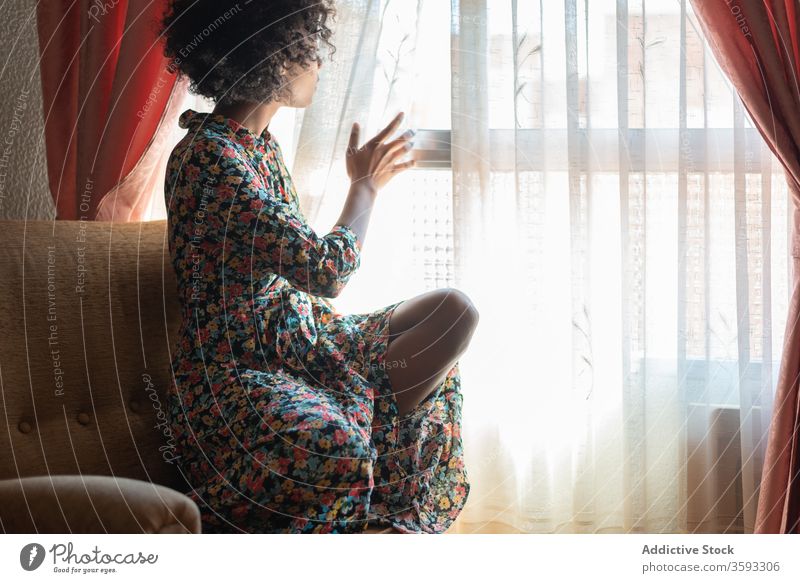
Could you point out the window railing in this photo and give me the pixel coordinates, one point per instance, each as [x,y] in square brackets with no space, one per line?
[651,149]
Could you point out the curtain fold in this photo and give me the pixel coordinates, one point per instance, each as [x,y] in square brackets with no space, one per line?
[756,45]
[469,136]
[108,105]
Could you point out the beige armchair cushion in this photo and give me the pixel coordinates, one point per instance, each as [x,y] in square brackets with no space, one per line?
[94,504]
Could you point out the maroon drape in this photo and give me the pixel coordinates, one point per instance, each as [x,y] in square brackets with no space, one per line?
[105,86]
[757,45]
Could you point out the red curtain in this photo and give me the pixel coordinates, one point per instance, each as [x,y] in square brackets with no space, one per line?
[757,45]
[106,90]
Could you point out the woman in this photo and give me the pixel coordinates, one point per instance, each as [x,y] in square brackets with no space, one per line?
[291,416]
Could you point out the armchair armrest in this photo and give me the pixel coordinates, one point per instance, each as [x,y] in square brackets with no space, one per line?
[94,504]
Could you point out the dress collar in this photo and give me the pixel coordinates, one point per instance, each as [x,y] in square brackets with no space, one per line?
[193,120]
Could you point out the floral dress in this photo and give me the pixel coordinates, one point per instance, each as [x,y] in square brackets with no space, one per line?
[282,409]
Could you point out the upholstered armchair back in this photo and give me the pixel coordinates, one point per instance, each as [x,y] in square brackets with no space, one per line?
[88,317]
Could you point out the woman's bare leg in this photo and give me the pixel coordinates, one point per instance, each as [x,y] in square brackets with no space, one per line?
[427,335]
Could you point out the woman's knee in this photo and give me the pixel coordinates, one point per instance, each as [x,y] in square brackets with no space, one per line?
[444,314]
[460,309]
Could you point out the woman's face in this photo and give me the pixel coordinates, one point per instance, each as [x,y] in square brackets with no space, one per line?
[303,84]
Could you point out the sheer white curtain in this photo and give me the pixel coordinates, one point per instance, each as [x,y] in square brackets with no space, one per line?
[624,232]
[391,55]
[588,177]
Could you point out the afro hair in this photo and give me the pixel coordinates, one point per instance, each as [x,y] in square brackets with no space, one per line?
[239,51]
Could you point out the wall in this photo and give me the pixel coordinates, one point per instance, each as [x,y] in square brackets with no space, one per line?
[24,193]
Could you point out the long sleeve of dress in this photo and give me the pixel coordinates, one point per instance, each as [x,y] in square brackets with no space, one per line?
[271,233]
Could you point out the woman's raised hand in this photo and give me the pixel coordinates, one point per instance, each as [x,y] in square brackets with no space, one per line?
[375,163]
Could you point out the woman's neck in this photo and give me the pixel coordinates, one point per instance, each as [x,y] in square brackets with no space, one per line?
[253,116]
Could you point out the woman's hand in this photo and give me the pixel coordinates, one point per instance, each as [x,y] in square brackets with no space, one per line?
[375,163]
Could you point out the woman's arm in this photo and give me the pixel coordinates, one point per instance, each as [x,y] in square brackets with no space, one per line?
[260,227]
[358,209]
[268,234]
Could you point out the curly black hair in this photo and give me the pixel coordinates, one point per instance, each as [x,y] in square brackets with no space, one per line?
[239,51]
